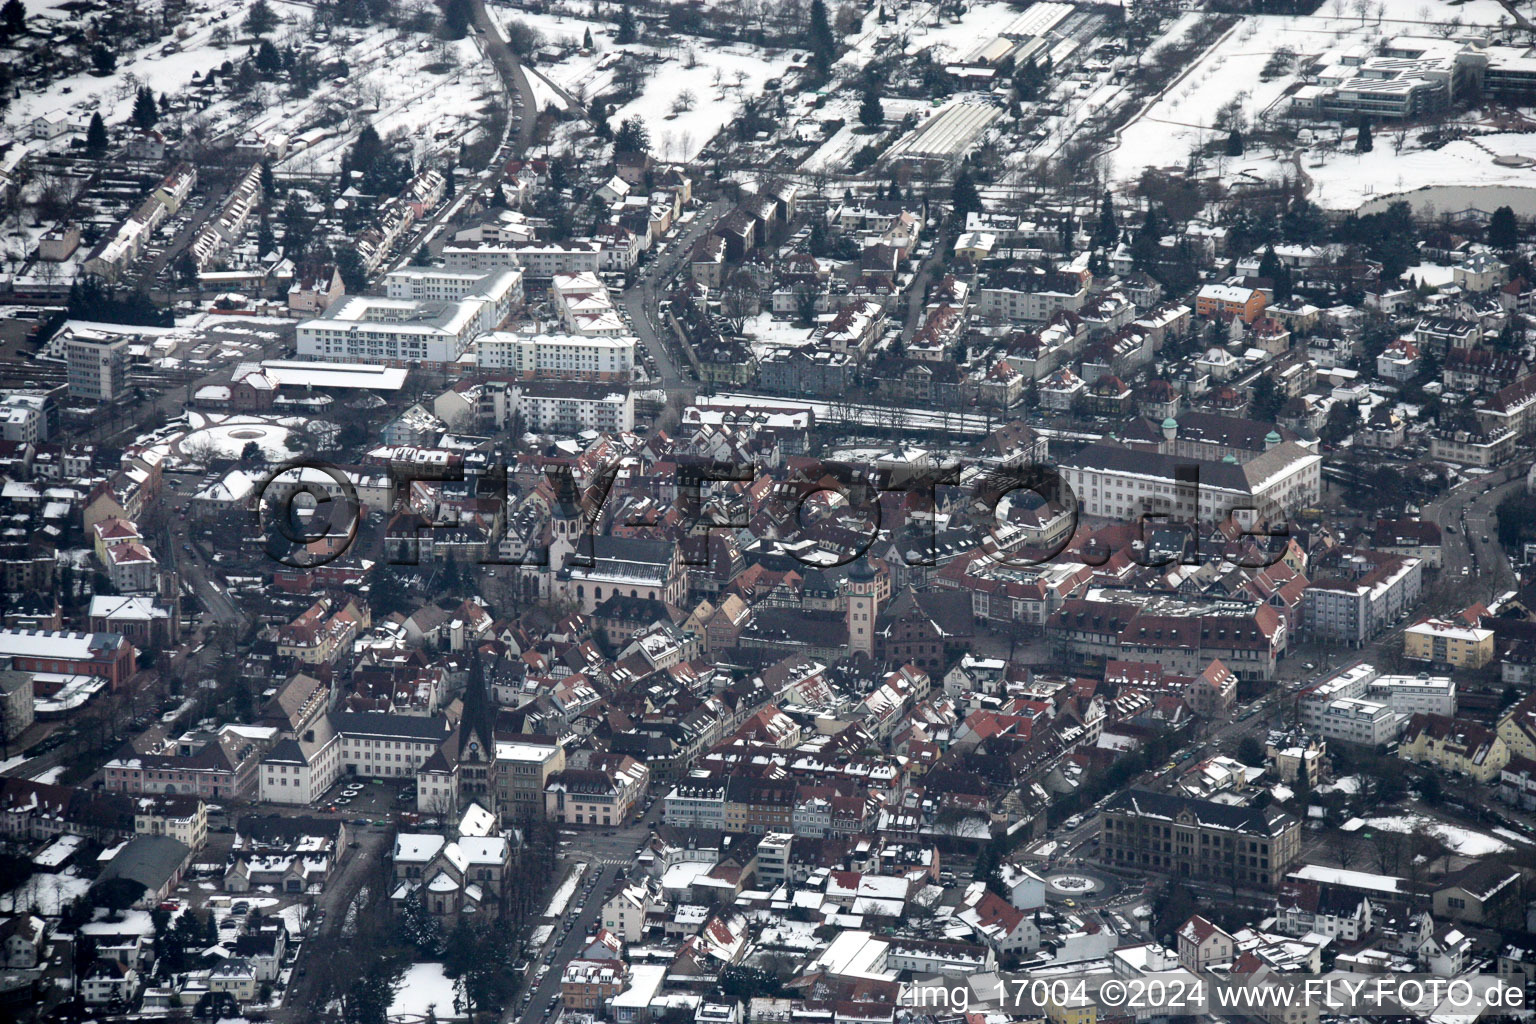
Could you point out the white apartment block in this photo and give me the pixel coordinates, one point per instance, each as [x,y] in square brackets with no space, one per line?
[1355,704]
[1352,610]
[1420,694]
[570,406]
[369,329]
[538,259]
[435,284]
[557,356]
[1359,721]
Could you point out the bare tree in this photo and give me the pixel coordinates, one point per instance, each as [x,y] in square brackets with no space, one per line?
[685,102]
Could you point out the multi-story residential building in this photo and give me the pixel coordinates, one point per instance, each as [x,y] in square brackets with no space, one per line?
[1454,745]
[1031,295]
[624,913]
[590,985]
[557,356]
[1360,705]
[435,284]
[697,803]
[1199,839]
[1517,728]
[370,329]
[183,818]
[1247,639]
[1446,642]
[605,793]
[1352,720]
[1363,598]
[571,406]
[1229,301]
[1473,448]
[17,702]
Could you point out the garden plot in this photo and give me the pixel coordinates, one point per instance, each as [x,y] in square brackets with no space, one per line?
[388,84]
[693,88]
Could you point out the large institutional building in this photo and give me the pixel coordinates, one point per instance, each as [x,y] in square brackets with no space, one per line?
[1116,481]
[1203,839]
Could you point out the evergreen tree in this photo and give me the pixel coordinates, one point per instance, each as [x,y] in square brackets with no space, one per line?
[1107,230]
[457,14]
[632,137]
[423,257]
[871,112]
[1363,143]
[964,199]
[1235,143]
[260,19]
[1269,264]
[265,241]
[13,19]
[145,113]
[268,182]
[186,268]
[1503,229]
[627,32]
[268,61]
[103,59]
[419,928]
[1266,399]
[366,150]
[96,136]
[818,242]
[823,43]
[586,40]
[1283,284]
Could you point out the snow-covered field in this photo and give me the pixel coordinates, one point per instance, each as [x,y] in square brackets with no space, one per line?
[1463,841]
[424,987]
[1346,179]
[1183,118]
[47,893]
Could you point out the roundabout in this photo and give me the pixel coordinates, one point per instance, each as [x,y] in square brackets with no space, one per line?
[1081,885]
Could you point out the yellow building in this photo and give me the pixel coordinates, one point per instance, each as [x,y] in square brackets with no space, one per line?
[1518,728]
[1072,1011]
[1448,643]
[1455,745]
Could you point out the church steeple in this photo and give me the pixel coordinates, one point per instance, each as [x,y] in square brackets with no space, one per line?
[476,728]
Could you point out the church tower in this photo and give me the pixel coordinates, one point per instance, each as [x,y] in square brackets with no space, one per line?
[863,606]
[564,522]
[477,740]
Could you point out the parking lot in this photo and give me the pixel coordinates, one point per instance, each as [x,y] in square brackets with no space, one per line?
[374,799]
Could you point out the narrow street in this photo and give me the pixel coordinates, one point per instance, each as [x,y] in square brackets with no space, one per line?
[654,283]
